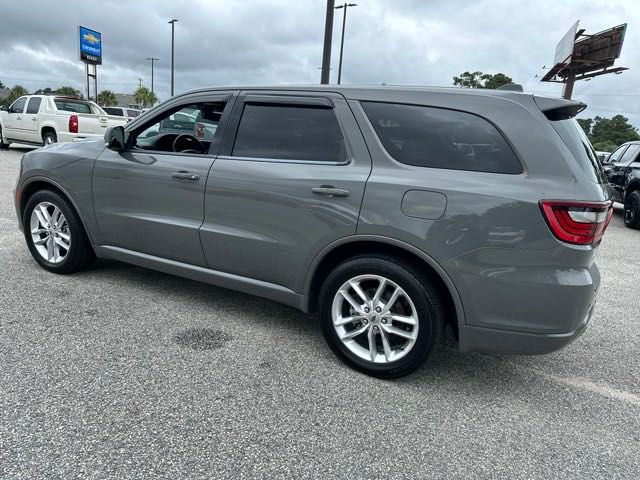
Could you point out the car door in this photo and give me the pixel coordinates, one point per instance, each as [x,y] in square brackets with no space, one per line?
[150,198]
[30,120]
[620,168]
[612,171]
[13,123]
[289,180]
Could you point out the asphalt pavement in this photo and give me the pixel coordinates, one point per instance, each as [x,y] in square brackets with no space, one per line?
[120,372]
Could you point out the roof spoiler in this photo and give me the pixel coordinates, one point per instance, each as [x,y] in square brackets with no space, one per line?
[559,108]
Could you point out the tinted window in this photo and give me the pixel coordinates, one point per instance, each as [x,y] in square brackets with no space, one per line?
[133,113]
[289,133]
[578,144]
[113,111]
[34,105]
[72,106]
[18,105]
[438,138]
[630,155]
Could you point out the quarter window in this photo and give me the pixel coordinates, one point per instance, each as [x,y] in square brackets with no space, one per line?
[289,132]
[439,138]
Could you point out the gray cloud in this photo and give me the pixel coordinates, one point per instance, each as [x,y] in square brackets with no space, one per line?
[260,42]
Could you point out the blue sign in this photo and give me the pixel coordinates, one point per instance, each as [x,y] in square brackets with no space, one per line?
[90,46]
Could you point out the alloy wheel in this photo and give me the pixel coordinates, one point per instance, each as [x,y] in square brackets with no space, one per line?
[50,232]
[375,318]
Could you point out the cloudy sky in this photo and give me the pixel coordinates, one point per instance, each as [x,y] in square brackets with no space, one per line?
[222,42]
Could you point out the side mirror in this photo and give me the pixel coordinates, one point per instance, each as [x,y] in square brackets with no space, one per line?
[116,139]
[3,108]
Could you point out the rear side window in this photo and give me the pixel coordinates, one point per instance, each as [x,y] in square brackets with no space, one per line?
[289,133]
[34,105]
[439,138]
[113,111]
[578,144]
[133,113]
[72,106]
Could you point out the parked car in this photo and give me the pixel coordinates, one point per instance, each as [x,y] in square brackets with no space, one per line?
[129,113]
[622,170]
[392,213]
[43,119]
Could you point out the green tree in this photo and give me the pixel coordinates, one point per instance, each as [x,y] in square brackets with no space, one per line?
[1,85]
[66,90]
[43,91]
[107,98]
[15,93]
[616,129]
[144,97]
[585,123]
[605,146]
[481,80]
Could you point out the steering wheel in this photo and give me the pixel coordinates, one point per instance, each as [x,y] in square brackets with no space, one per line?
[185,143]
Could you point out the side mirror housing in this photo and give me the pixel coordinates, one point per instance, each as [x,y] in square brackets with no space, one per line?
[116,139]
[3,108]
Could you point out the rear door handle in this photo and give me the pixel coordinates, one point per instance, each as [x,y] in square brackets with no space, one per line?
[185,176]
[330,191]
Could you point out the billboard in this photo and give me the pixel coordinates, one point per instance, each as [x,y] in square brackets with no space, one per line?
[564,50]
[90,46]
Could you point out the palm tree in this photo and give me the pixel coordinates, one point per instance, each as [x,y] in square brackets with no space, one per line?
[107,98]
[67,91]
[144,97]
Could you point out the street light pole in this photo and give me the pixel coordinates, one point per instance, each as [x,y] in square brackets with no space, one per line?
[152,60]
[173,24]
[326,50]
[344,24]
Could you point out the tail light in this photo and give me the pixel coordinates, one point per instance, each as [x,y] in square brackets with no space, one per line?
[73,123]
[579,223]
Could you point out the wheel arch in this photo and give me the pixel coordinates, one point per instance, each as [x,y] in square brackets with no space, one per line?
[37,184]
[348,247]
[632,187]
[47,128]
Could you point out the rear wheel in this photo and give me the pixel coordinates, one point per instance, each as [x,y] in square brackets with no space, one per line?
[380,316]
[632,210]
[49,137]
[54,234]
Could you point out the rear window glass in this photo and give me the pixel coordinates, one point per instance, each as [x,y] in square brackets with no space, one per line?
[290,133]
[578,144]
[439,138]
[72,106]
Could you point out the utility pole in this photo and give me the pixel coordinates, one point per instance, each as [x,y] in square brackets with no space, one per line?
[344,23]
[328,34]
[152,60]
[139,83]
[173,24]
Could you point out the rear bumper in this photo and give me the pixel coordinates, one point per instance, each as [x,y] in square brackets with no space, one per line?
[497,340]
[489,340]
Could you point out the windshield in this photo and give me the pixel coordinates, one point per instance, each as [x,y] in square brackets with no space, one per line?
[578,144]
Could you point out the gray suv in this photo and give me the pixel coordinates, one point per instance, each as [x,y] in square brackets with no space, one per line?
[394,213]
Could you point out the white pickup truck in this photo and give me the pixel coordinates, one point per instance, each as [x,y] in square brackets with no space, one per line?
[44,119]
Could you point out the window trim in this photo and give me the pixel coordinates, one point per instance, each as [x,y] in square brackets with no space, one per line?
[512,147]
[283,100]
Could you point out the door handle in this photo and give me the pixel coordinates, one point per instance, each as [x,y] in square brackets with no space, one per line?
[18,118]
[185,176]
[330,191]
[34,119]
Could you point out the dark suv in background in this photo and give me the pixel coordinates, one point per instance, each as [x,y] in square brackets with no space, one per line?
[392,212]
[622,169]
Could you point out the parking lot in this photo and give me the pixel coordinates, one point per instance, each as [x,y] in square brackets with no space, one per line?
[121,372]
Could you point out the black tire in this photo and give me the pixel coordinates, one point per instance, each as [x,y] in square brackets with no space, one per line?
[3,145]
[49,137]
[420,289]
[632,210]
[80,253]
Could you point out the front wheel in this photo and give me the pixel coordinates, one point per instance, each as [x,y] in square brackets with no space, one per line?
[632,210]
[380,316]
[54,234]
